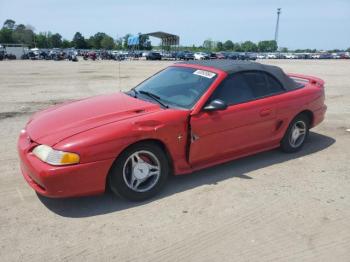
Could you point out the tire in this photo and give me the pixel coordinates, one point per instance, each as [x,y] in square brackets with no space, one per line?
[135,176]
[293,140]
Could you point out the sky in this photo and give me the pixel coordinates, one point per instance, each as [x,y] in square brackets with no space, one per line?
[321,24]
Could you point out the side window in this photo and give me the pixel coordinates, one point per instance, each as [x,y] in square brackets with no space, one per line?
[274,85]
[233,90]
[262,84]
[258,84]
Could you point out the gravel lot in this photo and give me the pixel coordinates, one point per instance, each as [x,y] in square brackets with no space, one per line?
[268,207]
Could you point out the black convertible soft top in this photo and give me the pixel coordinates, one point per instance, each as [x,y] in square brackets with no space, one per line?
[232,66]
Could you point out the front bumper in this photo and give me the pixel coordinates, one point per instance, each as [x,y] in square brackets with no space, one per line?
[61,181]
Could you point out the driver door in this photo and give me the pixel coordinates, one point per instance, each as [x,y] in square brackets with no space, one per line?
[246,124]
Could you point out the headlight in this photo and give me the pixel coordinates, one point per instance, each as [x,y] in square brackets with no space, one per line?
[55,157]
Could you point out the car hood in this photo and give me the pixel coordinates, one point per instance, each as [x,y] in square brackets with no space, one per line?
[62,121]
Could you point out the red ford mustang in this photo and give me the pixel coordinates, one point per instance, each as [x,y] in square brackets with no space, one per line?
[186,117]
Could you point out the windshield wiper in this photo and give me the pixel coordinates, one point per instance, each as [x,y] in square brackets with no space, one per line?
[153,96]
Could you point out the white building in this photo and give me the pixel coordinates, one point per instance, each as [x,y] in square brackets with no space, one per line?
[15,49]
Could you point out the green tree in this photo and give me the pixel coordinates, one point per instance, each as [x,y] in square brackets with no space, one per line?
[23,35]
[66,43]
[273,45]
[219,46]
[107,42]
[228,45]
[90,42]
[79,41]
[267,46]
[9,24]
[41,40]
[119,43]
[56,40]
[6,35]
[95,40]
[145,44]
[237,47]
[125,40]
[284,49]
[249,46]
[20,27]
[208,44]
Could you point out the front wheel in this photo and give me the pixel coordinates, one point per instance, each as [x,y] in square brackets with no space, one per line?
[139,172]
[296,134]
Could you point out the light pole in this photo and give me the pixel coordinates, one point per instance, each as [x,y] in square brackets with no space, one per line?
[277,23]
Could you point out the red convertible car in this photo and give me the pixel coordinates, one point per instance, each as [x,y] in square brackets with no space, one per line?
[187,117]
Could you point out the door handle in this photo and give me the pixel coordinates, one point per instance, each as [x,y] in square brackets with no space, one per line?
[266,112]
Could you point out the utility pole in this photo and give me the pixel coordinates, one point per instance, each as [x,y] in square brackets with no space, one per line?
[277,23]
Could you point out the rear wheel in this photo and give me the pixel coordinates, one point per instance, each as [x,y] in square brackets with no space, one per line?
[296,134]
[140,172]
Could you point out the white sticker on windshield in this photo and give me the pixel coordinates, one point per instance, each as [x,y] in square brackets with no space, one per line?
[204,73]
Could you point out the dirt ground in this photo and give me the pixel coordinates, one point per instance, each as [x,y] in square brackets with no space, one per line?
[268,207]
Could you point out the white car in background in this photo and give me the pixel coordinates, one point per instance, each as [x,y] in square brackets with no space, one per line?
[336,55]
[315,56]
[201,56]
[291,56]
[261,56]
[271,56]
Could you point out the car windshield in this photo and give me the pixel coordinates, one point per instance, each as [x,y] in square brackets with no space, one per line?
[177,86]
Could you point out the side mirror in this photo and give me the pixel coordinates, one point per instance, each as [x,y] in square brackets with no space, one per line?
[215,105]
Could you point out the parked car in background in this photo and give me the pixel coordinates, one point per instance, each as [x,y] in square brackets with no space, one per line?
[135,54]
[233,56]
[72,55]
[184,55]
[238,56]
[56,54]
[303,56]
[201,56]
[34,53]
[90,55]
[153,56]
[272,56]
[2,53]
[290,56]
[315,56]
[345,55]
[167,55]
[7,56]
[221,55]
[251,56]
[325,56]
[43,55]
[261,56]
[118,56]
[212,55]
[336,55]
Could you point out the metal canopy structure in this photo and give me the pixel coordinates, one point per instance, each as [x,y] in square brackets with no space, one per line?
[167,39]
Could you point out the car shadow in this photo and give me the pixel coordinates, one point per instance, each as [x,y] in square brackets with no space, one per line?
[107,203]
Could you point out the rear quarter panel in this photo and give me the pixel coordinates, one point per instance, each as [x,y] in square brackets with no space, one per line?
[288,105]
